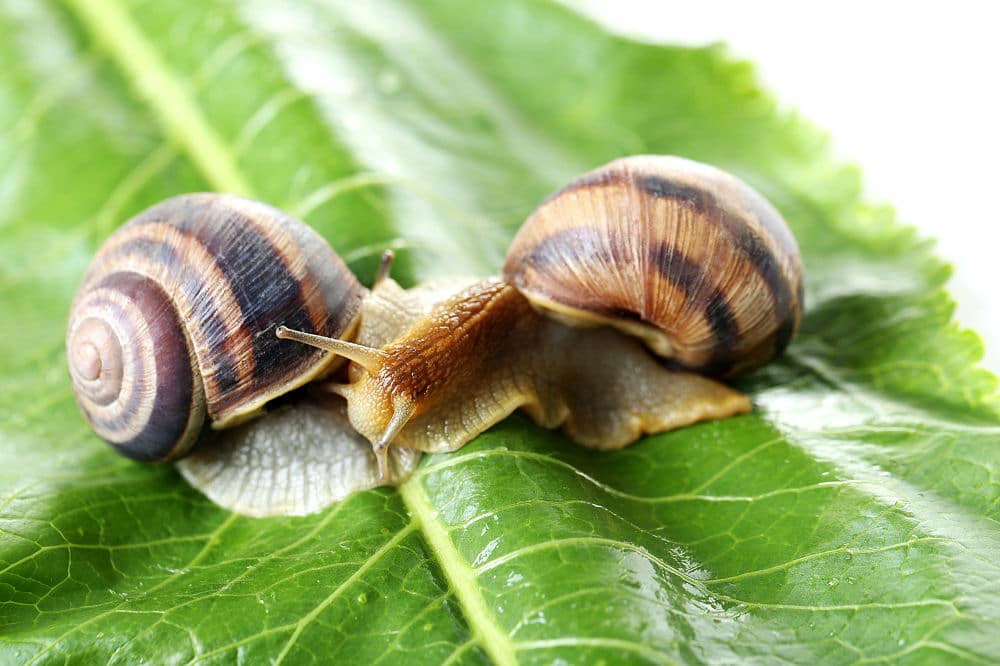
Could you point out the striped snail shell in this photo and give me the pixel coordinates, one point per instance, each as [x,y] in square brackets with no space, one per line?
[685,256]
[174,322]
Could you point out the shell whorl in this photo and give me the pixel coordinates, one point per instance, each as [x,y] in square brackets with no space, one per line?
[174,322]
[686,256]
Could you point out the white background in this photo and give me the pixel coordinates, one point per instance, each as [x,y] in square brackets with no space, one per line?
[909,91]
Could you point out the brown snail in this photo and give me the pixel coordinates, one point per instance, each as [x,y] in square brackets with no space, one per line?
[685,257]
[173,323]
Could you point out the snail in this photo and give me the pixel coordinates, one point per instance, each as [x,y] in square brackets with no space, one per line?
[178,325]
[171,353]
[173,323]
[689,260]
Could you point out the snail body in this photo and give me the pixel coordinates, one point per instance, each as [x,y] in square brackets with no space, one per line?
[502,354]
[173,324]
[683,256]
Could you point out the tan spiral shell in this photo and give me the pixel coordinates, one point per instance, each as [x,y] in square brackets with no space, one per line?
[174,322]
[686,256]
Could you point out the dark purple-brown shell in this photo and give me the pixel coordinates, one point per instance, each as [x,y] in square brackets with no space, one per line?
[686,256]
[174,322]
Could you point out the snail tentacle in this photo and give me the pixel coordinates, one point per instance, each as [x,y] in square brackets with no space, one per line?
[368,358]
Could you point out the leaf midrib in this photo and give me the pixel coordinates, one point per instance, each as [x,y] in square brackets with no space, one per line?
[460,575]
[165,93]
[181,119]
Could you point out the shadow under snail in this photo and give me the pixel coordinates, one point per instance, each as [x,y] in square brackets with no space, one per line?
[178,322]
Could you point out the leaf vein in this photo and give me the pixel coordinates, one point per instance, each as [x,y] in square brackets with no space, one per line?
[460,576]
[155,83]
[306,620]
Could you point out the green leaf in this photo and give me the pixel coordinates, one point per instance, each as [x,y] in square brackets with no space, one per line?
[853,516]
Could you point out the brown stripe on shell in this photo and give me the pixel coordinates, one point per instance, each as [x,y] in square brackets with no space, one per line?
[693,278]
[295,246]
[669,290]
[769,259]
[699,186]
[265,266]
[328,293]
[757,230]
[723,323]
[756,227]
[266,292]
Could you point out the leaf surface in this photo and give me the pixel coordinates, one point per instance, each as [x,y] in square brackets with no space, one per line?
[853,516]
